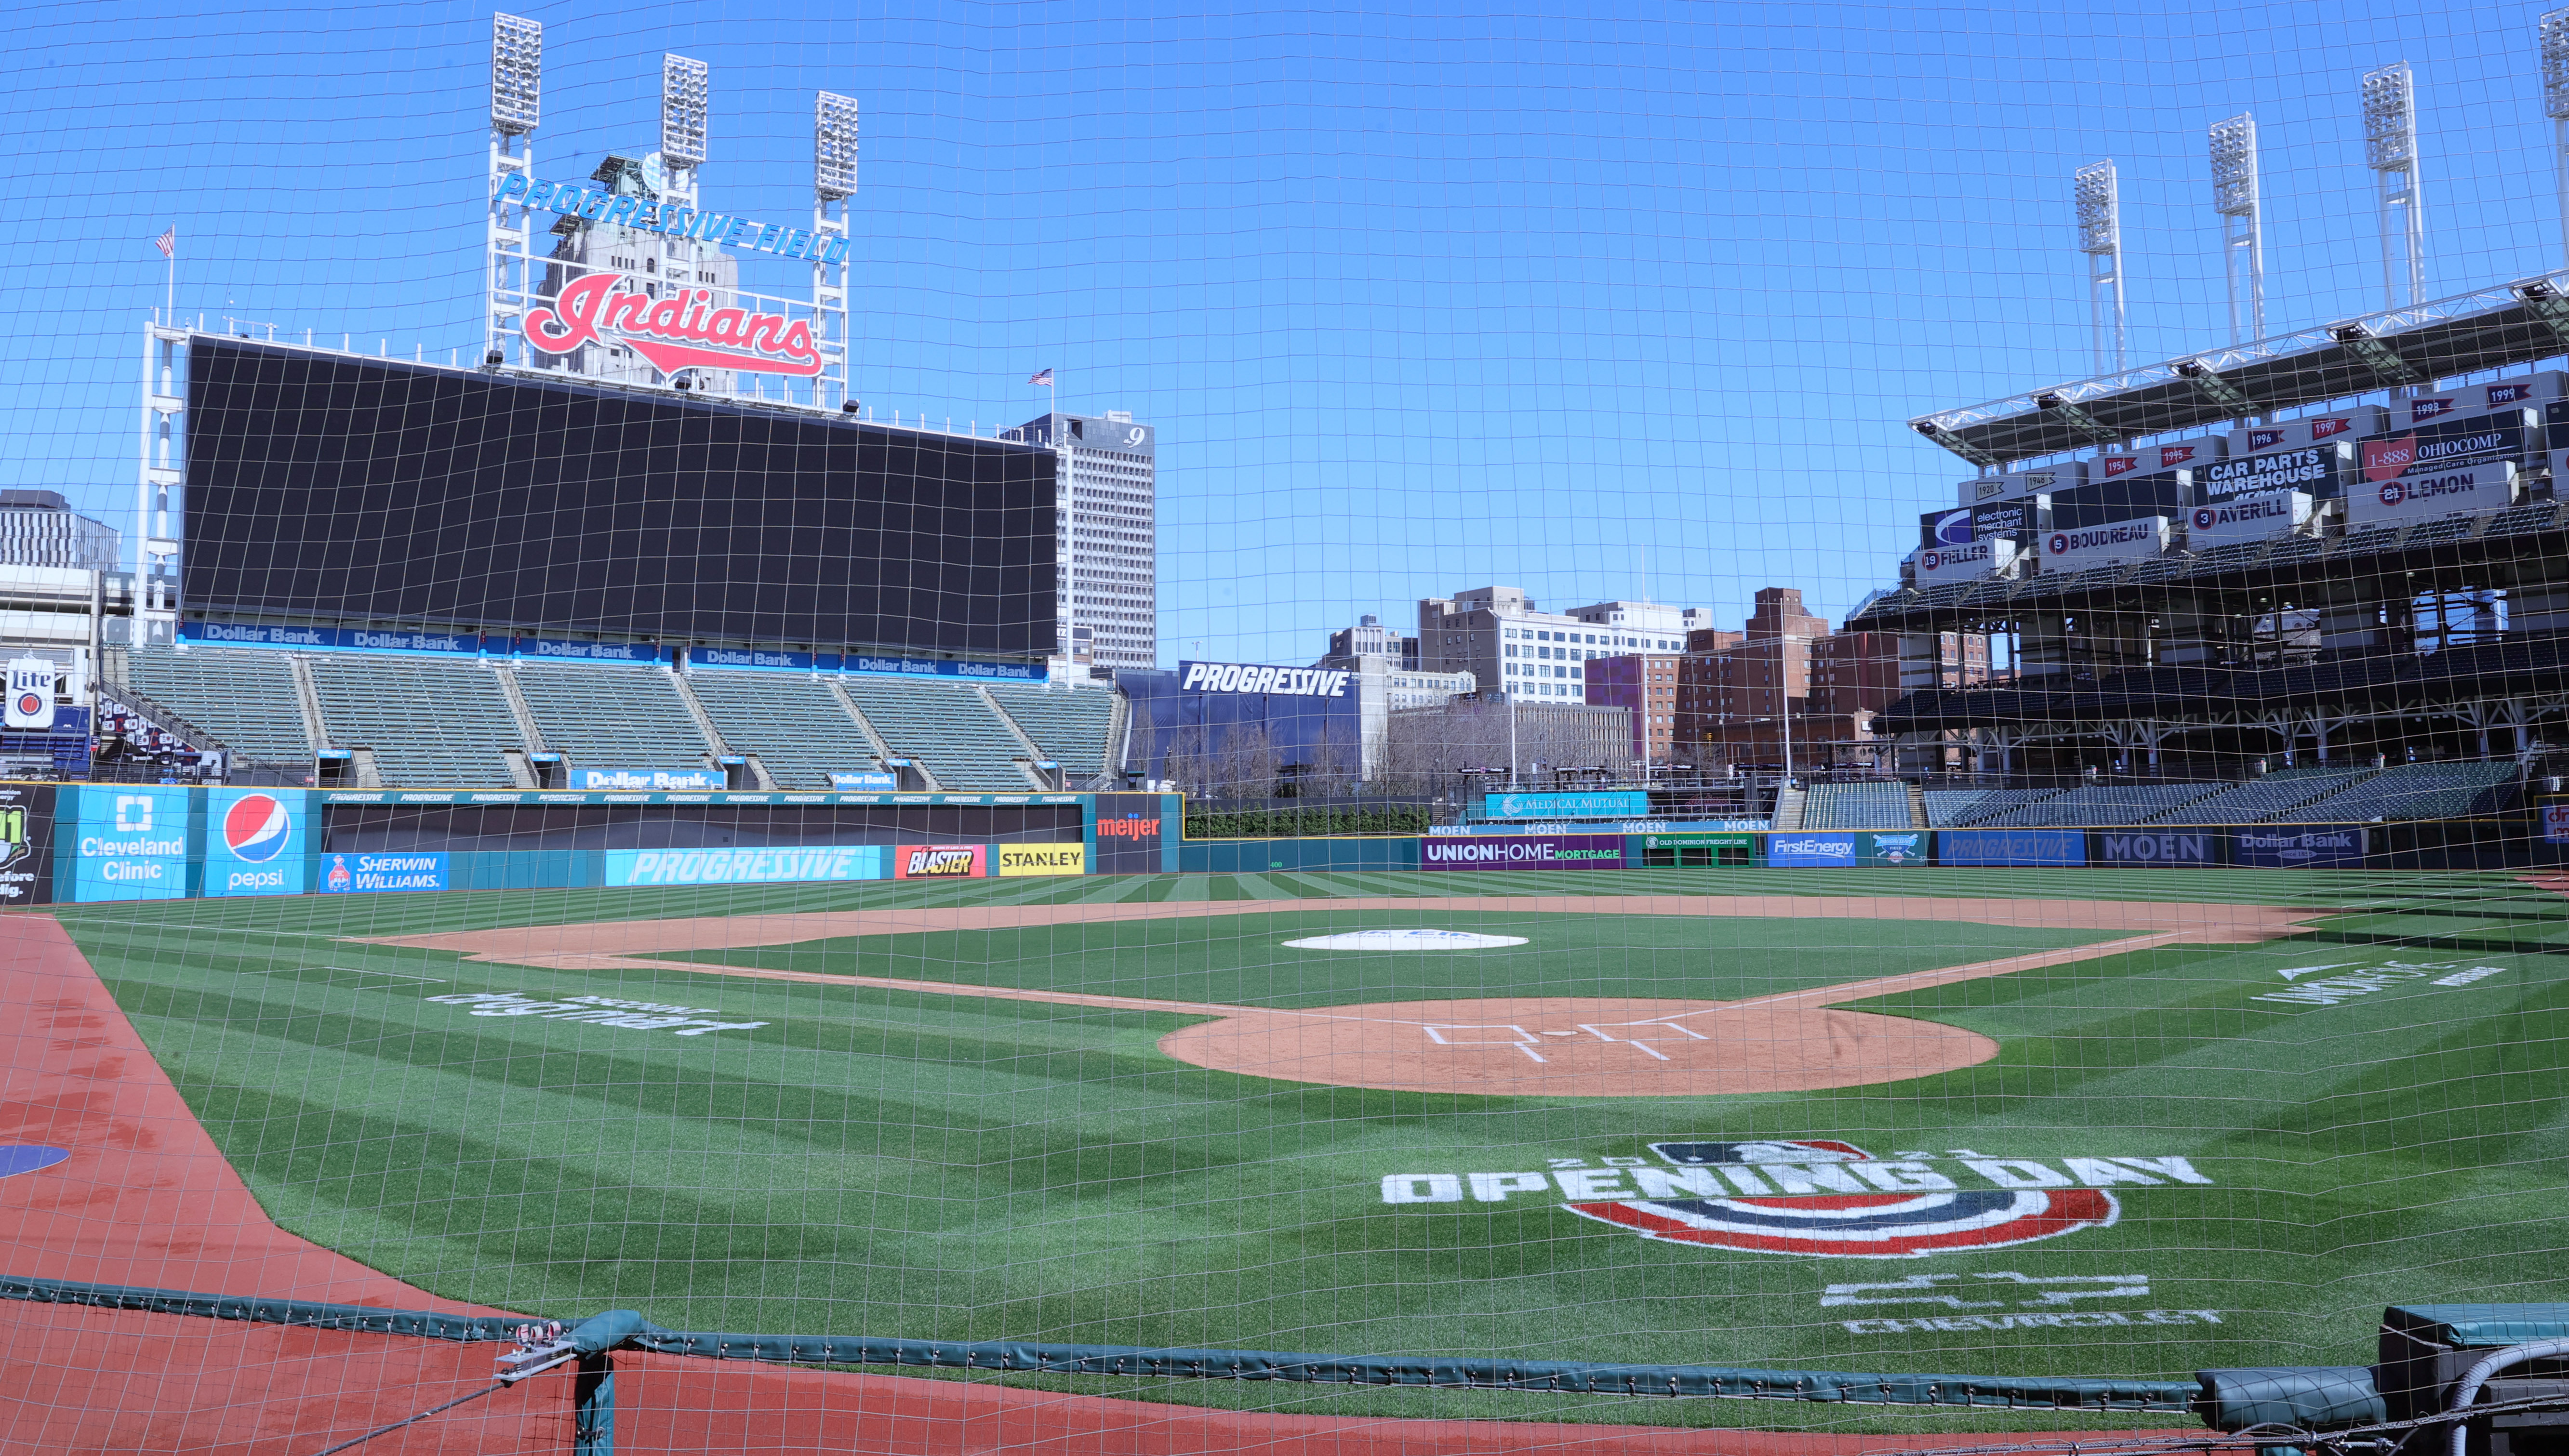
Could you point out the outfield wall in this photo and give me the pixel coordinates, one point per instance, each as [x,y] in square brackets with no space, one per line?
[92,843]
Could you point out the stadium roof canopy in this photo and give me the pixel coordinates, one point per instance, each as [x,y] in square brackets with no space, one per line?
[2495,328]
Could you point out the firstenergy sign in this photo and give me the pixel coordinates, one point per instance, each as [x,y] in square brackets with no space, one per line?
[1249,677]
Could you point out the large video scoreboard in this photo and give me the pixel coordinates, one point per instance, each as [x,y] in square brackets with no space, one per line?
[337,491]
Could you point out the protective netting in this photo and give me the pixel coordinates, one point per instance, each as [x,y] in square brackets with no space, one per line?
[1838,721]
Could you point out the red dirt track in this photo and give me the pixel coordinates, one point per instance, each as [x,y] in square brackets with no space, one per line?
[146,1198]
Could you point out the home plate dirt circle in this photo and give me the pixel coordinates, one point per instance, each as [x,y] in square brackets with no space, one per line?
[1559,1046]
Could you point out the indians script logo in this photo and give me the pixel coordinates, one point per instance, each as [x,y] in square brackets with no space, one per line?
[2384,458]
[1833,1200]
[682,330]
[256,828]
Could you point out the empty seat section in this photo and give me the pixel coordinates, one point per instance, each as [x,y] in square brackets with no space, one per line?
[1955,807]
[243,697]
[2413,791]
[2100,804]
[1069,724]
[430,724]
[1856,806]
[2261,799]
[794,724]
[945,726]
[611,717]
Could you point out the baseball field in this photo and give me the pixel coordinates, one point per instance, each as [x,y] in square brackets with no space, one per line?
[1990,1121]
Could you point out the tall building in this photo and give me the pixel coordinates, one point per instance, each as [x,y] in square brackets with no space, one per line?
[664,265]
[39,528]
[1516,651]
[1106,535]
[1646,683]
[1370,639]
[1738,691]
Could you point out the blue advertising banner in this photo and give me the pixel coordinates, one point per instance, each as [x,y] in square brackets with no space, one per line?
[2300,847]
[1534,851]
[1610,804]
[367,874]
[336,639]
[2140,846]
[859,783]
[646,780]
[758,658]
[574,651]
[1895,849]
[1805,851]
[749,866]
[2011,847]
[259,841]
[123,842]
[931,667]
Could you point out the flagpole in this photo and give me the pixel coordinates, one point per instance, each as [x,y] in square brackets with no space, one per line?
[170,315]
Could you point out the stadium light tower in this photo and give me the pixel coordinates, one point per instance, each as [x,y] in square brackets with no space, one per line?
[517,104]
[2100,237]
[2555,105]
[2243,239]
[2390,150]
[834,181]
[685,96]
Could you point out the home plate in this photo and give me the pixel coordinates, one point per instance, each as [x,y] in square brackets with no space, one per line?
[1405,941]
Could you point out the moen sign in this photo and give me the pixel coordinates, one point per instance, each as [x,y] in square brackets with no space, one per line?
[682,330]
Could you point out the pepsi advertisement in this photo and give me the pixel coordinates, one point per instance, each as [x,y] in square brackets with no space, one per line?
[259,841]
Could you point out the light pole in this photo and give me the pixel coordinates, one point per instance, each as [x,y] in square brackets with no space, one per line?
[2390,150]
[2100,237]
[2554,33]
[2242,244]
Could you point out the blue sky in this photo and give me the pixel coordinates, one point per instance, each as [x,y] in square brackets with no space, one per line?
[1420,298]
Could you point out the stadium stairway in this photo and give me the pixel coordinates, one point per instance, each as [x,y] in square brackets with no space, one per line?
[1072,726]
[794,727]
[243,699]
[603,716]
[1789,804]
[973,752]
[422,721]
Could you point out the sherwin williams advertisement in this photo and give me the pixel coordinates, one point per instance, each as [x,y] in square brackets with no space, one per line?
[1531,851]
[747,866]
[364,874]
[1611,804]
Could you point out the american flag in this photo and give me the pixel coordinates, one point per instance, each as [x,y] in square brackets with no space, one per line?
[168,243]
[1042,376]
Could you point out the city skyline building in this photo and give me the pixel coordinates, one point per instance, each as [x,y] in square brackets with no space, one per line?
[663,263]
[39,528]
[1105,535]
[1520,652]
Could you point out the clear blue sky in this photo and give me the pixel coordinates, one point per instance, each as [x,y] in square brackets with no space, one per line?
[1420,298]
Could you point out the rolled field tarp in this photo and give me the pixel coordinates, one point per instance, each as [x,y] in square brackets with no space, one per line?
[2312,1397]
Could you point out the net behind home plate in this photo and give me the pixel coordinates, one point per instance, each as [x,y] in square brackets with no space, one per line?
[1795,704]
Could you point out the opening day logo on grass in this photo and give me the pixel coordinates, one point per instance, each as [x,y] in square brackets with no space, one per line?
[1821,1198]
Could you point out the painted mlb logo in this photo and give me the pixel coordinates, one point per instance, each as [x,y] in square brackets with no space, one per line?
[1833,1200]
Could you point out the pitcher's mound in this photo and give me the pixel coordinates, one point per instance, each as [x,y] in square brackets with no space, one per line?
[1571,1048]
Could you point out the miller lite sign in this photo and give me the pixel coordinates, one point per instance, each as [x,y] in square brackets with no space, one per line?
[31,694]
[681,329]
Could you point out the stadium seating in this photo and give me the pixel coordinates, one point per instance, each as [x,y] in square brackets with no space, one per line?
[795,725]
[1069,724]
[611,717]
[2413,791]
[429,723]
[2099,804]
[2274,795]
[1954,808]
[246,697]
[945,725]
[1856,806]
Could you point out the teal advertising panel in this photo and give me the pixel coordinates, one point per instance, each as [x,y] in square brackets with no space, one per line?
[259,841]
[124,841]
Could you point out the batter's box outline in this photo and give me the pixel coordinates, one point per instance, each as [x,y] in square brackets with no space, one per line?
[1526,1041]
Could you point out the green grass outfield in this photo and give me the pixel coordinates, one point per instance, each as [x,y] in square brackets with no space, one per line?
[898,1163]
